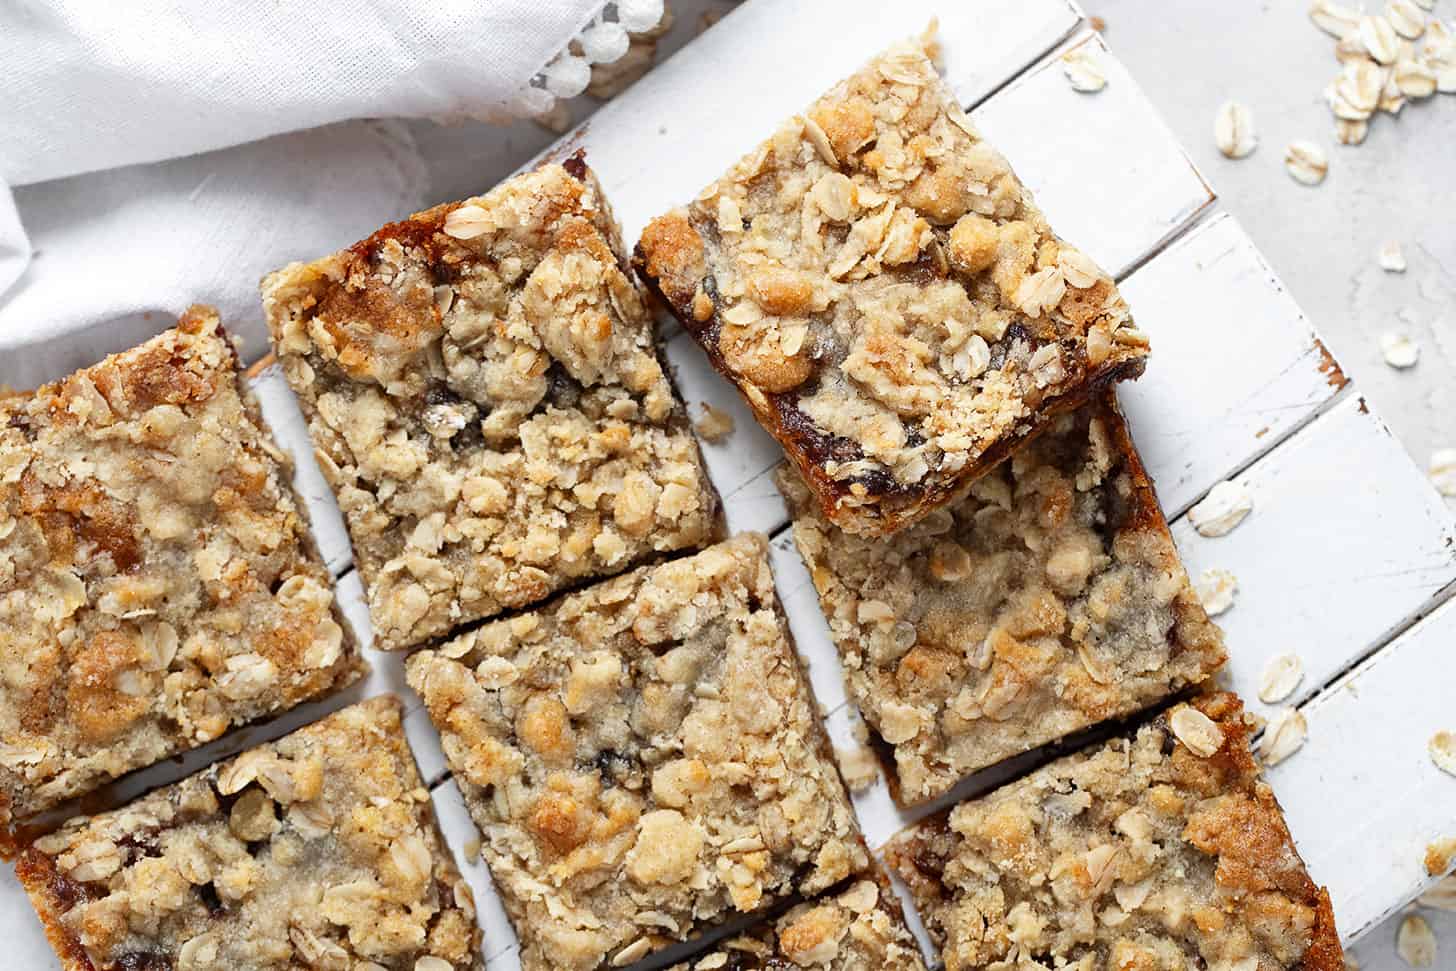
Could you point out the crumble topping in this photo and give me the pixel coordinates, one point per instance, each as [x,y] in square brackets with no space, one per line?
[158,584]
[485,396]
[1139,854]
[1049,598]
[887,296]
[643,758]
[319,850]
[859,929]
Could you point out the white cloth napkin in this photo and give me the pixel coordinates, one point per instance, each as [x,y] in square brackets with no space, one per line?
[95,90]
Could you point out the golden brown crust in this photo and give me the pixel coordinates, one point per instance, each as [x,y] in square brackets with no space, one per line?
[158,584]
[318,850]
[1047,599]
[858,928]
[887,297]
[1159,851]
[485,396]
[643,758]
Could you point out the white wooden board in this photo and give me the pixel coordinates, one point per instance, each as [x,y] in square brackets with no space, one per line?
[1235,366]
[285,419]
[1363,798]
[1347,541]
[1104,167]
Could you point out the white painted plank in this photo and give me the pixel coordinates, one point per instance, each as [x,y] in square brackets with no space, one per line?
[743,463]
[1363,799]
[1105,169]
[499,944]
[1346,541]
[658,143]
[290,430]
[1235,366]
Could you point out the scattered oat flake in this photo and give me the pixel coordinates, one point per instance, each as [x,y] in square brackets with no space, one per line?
[1233,130]
[1334,19]
[472,849]
[1392,257]
[1442,471]
[1306,162]
[1380,39]
[1441,896]
[1281,676]
[1415,942]
[1405,18]
[1399,350]
[1350,49]
[1442,747]
[1222,509]
[1359,88]
[715,425]
[1283,736]
[1083,71]
[1351,132]
[1216,589]
[1415,79]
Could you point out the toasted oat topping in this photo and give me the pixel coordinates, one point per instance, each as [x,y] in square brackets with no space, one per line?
[643,758]
[714,425]
[859,929]
[158,584]
[319,850]
[1137,854]
[485,396]
[1306,162]
[1049,598]
[887,297]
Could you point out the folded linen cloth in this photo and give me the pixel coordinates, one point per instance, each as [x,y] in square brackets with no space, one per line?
[120,200]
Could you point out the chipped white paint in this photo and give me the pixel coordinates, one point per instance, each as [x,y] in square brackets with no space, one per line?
[1235,366]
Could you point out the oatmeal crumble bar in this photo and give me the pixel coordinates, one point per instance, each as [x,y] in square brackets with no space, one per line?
[319,850]
[158,584]
[887,297]
[1162,851]
[859,929]
[643,758]
[1047,599]
[484,392]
